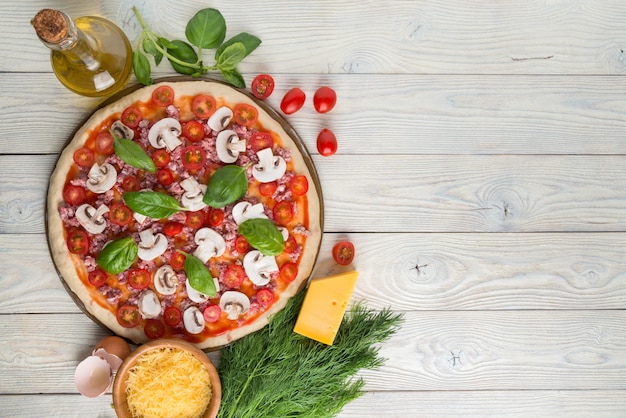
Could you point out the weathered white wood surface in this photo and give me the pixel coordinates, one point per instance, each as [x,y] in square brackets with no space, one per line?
[480,173]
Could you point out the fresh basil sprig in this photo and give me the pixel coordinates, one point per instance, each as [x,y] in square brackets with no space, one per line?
[262,234]
[154,205]
[227,185]
[132,154]
[205,30]
[199,276]
[118,255]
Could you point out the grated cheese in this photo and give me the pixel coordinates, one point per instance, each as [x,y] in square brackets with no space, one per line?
[167,383]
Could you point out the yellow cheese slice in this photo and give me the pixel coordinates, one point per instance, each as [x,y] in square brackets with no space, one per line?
[323,307]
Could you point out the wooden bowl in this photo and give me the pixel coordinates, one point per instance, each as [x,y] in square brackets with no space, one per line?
[119,385]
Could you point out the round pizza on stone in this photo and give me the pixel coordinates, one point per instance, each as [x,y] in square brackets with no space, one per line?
[185,209]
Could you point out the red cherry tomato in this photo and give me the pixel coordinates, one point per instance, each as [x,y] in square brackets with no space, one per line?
[326,142]
[131,116]
[233,276]
[193,131]
[84,157]
[264,297]
[324,99]
[268,189]
[291,245]
[131,184]
[97,278]
[120,214]
[212,313]
[261,140]
[171,229]
[288,272]
[194,157]
[104,143]
[283,212]
[262,86]
[177,260]
[293,101]
[172,316]
[163,96]
[128,316]
[299,185]
[241,244]
[154,329]
[343,253]
[216,217]
[194,220]
[165,177]
[139,278]
[203,106]
[77,241]
[74,195]
[245,114]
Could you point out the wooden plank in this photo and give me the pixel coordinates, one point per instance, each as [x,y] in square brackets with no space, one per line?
[449,404]
[366,193]
[501,350]
[421,272]
[400,36]
[413,115]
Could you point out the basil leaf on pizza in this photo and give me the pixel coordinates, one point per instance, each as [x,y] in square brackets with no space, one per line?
[263,235]
[118,255]
[227,185]
[154,205]
[132,154]
[199,276]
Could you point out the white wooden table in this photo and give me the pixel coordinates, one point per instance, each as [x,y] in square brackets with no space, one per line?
[480,174]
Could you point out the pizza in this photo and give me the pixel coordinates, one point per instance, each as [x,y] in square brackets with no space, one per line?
[184,209]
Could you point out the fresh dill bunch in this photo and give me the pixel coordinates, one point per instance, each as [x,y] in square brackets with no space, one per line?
[275,372]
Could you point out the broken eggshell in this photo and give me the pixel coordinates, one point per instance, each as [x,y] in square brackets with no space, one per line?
[113,349]
[93,376]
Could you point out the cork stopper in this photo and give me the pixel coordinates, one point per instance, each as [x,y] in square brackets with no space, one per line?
[50,25]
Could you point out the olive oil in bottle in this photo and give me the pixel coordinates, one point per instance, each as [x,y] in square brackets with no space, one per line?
[90,55]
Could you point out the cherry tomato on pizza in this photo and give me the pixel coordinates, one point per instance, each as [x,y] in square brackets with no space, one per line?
[216,217]
[131,184]
[212,313]
[291,245]
[283,212]
[84,157]
[326,142]
[77,241]
[177,260]
[245,114]
[128,316]
[172,316]
[264,297]
[233,276]
[343,252]
[261,140]
[104,143]
[262,86]
[97,277]
[120,214]
[161,158]
[74,195]
[288,272]
[194,157]
[165,177]
[131,116]
[268,189]
[324,99]
[292,101]
[153,329]
[193,131]
[241,244]
[139,278]
[171,229]
[163,96]
[203,106]
[194,220]
[299,185]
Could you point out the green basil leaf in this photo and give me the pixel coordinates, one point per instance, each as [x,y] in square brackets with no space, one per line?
[166,43]
[250,43]
[141,68]
[263,235]
[132,154]
[206,29]
[150,48]
[118,255]
[227,185]
[199,276]
[183,51]
[154,205]
[231,57]
[234,78]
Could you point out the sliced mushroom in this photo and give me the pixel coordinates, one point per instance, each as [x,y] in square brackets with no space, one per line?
[270,167]
[165,280]
[101,178]
[91,218]
[149,305]
[210,244]
[165,134]
[259,267]
[194,295]
[194,192]
[220,119]
[284,232]
[193,320]
[228,146]
[151,245]
[139,217]
[122,131]
[245,210]
[234,304]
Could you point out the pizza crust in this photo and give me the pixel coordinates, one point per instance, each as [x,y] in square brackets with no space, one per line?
[67,263]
